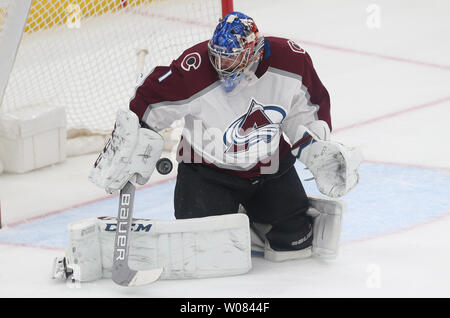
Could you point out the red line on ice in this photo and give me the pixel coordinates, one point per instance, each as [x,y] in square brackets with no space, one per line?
[311,43]
[83,204]
[393,114]
[378,55]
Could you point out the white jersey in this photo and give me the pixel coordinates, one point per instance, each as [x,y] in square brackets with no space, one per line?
[244,130]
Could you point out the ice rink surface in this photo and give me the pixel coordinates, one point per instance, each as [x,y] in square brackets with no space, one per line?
[386,65]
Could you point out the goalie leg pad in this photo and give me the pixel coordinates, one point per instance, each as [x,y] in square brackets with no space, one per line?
[212,246]
[83,255]
[327,224]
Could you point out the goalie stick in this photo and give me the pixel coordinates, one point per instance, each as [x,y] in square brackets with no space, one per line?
[122,274]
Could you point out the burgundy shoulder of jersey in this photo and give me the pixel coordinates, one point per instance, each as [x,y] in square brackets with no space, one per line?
[194,67]
[288,56]
[190,73]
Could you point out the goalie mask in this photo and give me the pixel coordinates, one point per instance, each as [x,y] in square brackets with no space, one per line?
[234,47]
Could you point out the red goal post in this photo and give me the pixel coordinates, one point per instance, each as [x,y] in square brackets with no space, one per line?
[227,7]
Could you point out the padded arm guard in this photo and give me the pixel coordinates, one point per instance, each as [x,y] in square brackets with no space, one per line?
[130,151]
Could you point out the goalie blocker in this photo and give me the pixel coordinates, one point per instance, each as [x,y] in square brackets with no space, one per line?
[205,247]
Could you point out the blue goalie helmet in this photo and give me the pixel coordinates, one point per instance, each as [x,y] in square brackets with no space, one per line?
[235,45]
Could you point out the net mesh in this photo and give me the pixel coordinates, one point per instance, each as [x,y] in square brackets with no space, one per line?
[3,11]
[81,55]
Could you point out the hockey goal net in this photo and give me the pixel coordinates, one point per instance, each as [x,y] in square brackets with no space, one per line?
[81,54]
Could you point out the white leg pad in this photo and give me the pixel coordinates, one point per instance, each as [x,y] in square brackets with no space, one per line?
[327,223]
[327,219]
[213,246]
[84,252]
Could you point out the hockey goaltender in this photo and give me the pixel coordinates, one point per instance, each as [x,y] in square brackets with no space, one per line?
[252,106]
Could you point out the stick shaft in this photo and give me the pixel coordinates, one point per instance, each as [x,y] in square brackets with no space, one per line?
[122,274]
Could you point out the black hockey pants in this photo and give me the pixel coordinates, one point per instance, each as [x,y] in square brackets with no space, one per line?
[278,199]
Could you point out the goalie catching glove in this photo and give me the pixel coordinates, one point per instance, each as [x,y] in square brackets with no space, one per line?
[131,151]
[333,165]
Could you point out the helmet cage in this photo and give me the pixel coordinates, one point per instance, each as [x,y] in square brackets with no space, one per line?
[229,64]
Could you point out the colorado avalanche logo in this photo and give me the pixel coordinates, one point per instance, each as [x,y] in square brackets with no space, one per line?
[191,61]
[260,123]
[295,47]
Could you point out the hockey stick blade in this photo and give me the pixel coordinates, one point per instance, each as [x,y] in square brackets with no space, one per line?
[122,274]
[127,277]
